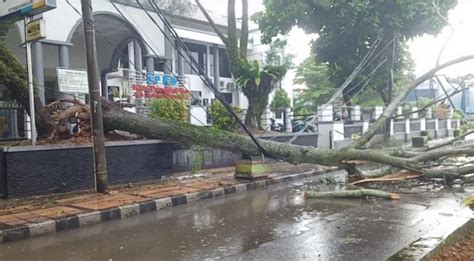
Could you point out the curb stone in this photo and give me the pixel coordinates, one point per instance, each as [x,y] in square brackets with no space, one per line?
[91,218]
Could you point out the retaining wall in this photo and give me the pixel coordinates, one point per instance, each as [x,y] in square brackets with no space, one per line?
[40,170]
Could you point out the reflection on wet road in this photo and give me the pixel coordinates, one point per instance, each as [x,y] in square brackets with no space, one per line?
[275,224]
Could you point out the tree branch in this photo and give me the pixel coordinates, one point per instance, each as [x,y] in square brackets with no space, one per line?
[116,119]
[429,104]
[232,26]
[244,33]
[213,24]
[451,141]
[390,109]
[435,154]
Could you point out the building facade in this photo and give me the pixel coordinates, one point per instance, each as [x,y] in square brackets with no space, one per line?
[132,43]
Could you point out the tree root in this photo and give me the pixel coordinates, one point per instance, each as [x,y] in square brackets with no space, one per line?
[352,194]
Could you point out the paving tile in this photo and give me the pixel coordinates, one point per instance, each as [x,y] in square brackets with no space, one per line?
[56,212]
[77,199]
[110,201]
[25,215]
[203,185]
[16,223]
[7,218]
[167,192]
[37,219]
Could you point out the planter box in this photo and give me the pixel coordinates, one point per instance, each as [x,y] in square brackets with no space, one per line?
[247,169]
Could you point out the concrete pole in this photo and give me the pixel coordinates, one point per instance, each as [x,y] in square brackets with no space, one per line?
[100,162]
[150,64]
[38,69]
[168,53]
[180,65]
[131,57]
[31,95]
[63,53]
[167,66]
[138,58]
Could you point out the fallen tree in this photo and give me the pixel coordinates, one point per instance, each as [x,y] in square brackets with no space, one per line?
[427,163]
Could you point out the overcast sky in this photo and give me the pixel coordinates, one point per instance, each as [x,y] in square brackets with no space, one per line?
[424,49]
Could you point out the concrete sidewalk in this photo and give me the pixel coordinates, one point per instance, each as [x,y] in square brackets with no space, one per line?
[20,219]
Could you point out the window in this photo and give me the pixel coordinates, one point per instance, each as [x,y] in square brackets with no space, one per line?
[159,65]
[211,63]
[199,53]
[196,97]
[224,64]
[227,97]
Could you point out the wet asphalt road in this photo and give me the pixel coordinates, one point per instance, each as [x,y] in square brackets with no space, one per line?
[274,224]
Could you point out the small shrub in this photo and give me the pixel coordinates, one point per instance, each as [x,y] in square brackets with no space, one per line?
[221,118]
[467,126]
[458,114]
[170,108]
[197,161]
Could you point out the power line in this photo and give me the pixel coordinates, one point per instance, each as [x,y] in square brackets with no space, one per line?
[197,67]
[132,62]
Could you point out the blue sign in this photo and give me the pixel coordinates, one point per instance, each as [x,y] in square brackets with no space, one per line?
[158,79]
[169,80]
[14,10]
[150,79]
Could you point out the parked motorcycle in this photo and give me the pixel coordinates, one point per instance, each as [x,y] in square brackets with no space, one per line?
[274,126]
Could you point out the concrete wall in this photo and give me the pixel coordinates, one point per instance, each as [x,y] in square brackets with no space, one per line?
[184,159]
[40,170]
[303,139]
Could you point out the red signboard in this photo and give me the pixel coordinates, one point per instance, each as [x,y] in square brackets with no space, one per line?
[154,91]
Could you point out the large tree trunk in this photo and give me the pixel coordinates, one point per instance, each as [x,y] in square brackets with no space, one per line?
[257,106]
[117,119]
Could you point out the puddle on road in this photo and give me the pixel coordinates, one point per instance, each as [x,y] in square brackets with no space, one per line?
[277,223]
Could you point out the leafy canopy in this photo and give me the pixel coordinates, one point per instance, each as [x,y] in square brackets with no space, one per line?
[221,118]
[319,89]
[280,100]
[348,28]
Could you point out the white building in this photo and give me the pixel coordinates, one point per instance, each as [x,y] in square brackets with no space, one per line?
[129,46]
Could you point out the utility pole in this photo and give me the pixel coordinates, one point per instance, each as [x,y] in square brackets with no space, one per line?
[31,92]
[391,82]
[100,162]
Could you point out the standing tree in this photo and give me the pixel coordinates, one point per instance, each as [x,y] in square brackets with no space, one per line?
[347,30]
[280,101]
[314,75]
[256,83]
